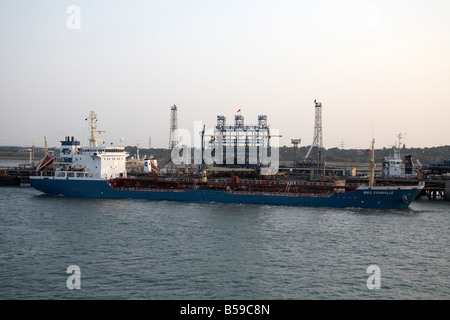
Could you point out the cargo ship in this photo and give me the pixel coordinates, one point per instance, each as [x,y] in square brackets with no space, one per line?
[100,172]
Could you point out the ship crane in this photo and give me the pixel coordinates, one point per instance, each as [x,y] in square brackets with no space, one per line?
[372,165]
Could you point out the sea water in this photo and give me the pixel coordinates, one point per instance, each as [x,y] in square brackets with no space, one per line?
[137,249]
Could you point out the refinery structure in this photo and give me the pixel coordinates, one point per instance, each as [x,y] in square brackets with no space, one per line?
[237,146]
[240,144]
[252,148]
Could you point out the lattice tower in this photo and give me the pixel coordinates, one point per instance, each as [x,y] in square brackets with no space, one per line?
[318,155]
[173,137]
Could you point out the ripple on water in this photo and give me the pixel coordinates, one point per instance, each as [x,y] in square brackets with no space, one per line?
[134,249]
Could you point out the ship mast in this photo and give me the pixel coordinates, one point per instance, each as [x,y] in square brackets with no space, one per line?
[372,165]
[93,128]
[400,136]
[46,147]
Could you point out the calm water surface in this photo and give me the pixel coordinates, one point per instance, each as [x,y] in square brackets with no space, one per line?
[133,249]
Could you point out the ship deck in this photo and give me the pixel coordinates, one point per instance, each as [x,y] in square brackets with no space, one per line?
[233,186]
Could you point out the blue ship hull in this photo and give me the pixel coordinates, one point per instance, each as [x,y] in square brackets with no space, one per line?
[377,197]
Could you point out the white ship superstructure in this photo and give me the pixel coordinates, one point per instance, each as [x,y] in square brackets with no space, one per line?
[94,162]
[90,162]
[392,166]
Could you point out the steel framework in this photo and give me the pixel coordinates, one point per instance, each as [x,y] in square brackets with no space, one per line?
[318,155]
[173,137]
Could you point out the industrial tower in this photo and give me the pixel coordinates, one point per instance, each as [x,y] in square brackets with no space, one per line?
[318,155]
[173,137]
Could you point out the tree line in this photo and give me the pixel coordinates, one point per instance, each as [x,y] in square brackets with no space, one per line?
[286,153]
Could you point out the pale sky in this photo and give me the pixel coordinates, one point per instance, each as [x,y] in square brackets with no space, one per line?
[378,67]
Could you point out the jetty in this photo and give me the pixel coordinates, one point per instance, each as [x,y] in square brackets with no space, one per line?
[18,176]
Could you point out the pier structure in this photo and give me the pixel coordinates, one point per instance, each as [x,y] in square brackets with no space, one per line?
[18,176]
